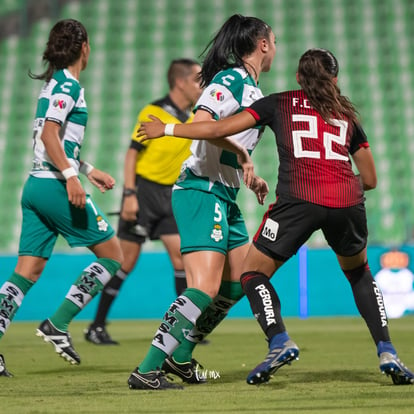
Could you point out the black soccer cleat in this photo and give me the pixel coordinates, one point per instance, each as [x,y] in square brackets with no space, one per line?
[60,340]
[3,369]
[189,372]
[99,336]
[153,380]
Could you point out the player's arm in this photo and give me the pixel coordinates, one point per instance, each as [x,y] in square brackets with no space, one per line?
[362,156]
[208,130]
[130,205]
[197,130]
[53,145]
[229,144]
[100,179]
[51,140]
[260,187]
[364,162]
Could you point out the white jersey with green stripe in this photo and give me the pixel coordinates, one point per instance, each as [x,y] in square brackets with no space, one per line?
[211,168]
[61,100]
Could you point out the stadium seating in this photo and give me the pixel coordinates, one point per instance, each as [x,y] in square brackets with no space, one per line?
[132,43]
[8,6]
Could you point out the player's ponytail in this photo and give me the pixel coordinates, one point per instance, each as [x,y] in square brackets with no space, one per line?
[63,48]
[317,71]
[236,39]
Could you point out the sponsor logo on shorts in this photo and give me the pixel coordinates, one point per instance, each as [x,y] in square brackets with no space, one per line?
[216,233]
[270,229]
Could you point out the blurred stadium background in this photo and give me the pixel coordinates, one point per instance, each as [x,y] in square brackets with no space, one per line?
[132,43]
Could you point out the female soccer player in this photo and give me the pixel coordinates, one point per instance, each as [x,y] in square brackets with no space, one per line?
[317,133]
[54,201]
[214,239]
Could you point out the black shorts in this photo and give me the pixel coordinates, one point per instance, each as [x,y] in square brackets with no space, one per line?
[289,223]
[155,217]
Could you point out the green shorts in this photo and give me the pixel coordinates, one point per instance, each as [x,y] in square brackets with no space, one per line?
[47,213]
[207,222]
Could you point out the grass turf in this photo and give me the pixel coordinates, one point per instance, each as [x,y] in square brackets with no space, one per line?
[337,371]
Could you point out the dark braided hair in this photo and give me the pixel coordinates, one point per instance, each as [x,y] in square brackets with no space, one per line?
[316,72]
[237,38]
[63,47]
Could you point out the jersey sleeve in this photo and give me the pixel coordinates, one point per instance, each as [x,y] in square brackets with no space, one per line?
[263,109]
[223,96]
[62,101]
[358,139]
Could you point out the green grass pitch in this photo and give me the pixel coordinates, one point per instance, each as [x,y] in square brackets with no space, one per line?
[337,371]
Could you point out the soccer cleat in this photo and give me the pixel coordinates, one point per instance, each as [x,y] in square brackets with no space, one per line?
[276,358]
[392,366]
[99,336]
[3,369]
[153,380]
[60,340]
[187,371]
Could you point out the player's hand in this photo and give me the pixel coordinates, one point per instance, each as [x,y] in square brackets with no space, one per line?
[101,180]
[129,208]
[260,187]
[246,163]
[76,193]
[151,130]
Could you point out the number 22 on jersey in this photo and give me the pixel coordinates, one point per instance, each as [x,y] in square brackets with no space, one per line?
[312,133]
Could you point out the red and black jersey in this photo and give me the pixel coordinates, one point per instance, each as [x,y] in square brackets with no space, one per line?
[314,156]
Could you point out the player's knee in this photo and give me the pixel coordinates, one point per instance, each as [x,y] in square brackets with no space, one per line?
[209,290]
[354,275]
[247,277]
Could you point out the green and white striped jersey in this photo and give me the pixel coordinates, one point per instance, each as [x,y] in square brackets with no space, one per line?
[62,101]
[211,168]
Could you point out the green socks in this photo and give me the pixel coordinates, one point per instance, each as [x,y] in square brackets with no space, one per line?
[87,286]
[12,294]
[229,294]
[179,318]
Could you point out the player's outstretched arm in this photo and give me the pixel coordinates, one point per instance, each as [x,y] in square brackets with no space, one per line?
[197,130]
[217,130]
